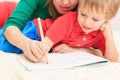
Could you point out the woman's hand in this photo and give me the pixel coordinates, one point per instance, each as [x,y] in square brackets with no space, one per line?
[33,50]
[36,50]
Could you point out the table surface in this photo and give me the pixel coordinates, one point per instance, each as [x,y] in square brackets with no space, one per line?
[10,67]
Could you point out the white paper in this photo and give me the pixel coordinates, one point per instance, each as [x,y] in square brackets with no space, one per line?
[61,61]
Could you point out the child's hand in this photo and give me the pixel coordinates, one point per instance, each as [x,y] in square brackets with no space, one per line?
[36,50]
[62,48]
[33,51]
[106,29]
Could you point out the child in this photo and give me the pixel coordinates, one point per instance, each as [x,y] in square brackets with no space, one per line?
[89,27]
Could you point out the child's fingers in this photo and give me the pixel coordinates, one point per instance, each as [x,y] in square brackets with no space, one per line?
[36,51]
[42,49]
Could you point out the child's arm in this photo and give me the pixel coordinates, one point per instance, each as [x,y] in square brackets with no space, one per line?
[111,52]
[62,48]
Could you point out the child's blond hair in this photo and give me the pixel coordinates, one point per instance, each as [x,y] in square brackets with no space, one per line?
[108,7]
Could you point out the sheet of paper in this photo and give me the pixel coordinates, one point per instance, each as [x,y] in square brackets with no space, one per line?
[61,61]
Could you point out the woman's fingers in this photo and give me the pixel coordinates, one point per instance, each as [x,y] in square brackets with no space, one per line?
[33,52]
[30,56]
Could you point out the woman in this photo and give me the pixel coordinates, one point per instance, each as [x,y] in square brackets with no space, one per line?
[27,10]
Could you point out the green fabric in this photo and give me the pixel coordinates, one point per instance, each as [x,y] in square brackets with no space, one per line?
[27,10]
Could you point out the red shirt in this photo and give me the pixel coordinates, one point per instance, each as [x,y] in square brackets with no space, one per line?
[6,9]
[66,30]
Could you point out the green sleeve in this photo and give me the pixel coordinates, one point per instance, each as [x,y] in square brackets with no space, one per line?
[27,10]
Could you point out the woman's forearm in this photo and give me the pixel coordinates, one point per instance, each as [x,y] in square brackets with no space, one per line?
[15,37]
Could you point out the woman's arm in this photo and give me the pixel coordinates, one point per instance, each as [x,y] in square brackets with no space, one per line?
[29,47]
[111,52]
[22,13]
[32,49]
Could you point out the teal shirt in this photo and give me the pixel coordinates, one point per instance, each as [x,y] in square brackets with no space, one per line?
[27,10]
